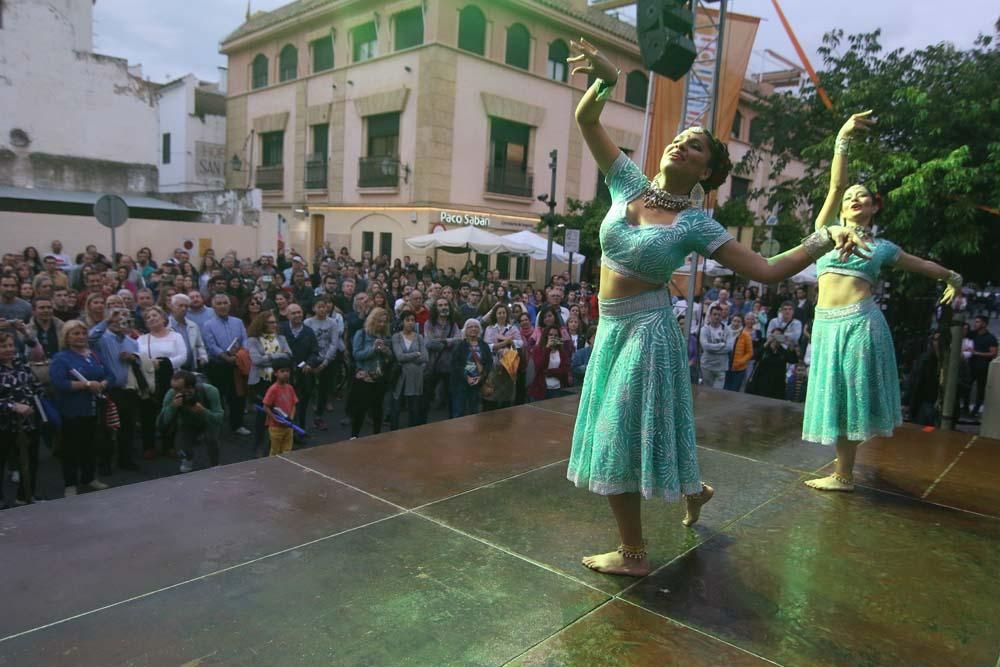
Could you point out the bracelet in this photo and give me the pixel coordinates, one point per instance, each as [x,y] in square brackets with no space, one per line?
[842,146]
[604,88]
[818,243]
[954,279]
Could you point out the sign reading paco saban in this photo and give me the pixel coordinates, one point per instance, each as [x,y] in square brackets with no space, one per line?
[465,219]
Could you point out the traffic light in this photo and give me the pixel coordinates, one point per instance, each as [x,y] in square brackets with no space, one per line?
[666,28]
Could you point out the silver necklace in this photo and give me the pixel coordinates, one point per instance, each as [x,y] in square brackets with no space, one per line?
[654,197]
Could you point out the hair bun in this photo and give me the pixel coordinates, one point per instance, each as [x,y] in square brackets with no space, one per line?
[721,164]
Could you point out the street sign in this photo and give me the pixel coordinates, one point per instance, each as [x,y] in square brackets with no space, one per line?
[572,243]
[772,221]
[769,248]
[111,211]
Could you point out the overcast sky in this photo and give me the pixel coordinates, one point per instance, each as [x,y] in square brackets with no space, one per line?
[173,38]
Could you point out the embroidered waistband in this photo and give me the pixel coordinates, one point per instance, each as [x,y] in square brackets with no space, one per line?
[618,267]
[626,305]
[861,307]
[847,272]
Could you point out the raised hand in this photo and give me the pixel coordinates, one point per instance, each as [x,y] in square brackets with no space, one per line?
[857,123]
[594,62]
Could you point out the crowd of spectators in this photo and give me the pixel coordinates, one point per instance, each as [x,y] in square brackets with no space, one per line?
[159,357]
[112,363]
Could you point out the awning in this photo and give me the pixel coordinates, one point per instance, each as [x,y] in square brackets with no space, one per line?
[465,239]
[67,202]
[540,244]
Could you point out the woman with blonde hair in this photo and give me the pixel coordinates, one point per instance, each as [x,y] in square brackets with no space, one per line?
[265,346]
[78,378]
[372,347]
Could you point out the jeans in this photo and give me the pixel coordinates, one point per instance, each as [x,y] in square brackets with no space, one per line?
[713,378]
[324,383]
[11,452]
[127,402]
[734,380]
[415,408]
[79,450]
[220,375]
[366,397]
[465,400]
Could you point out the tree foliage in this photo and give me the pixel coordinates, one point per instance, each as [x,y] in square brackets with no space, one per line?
[934,156]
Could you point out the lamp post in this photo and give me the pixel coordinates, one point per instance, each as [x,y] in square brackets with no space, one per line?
[550,200]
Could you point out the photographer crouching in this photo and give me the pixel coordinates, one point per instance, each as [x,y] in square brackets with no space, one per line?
[193,412]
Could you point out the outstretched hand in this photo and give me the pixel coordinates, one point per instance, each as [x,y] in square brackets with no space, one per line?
[849,242]
[594,61]
[857,123]
[953,289]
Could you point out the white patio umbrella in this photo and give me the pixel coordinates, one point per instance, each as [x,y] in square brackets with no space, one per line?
[708,267]
[467,239]
[540,243]
[806,276]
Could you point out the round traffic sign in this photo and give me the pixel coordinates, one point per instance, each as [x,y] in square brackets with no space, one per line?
[111,211]
[769,248]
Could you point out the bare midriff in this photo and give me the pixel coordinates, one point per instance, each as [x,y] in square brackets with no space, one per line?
[616,286]
[837,290]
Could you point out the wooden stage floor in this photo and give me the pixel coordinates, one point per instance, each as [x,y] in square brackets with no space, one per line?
[458,543]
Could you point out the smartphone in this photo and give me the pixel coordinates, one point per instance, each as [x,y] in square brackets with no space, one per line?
[268,279]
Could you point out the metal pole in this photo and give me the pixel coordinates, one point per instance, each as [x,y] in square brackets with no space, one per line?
[114,249]
[713,119]
[948,416]
[692,276]
[571,267]
[554,154]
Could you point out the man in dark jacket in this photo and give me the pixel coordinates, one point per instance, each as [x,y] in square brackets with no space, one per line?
[305,357]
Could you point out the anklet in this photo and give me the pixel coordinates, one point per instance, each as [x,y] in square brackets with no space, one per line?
[843,480]
[632,553]
[697,495]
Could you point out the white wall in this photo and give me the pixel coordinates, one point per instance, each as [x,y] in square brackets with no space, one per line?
[68,100]
[176,116]
[38,229]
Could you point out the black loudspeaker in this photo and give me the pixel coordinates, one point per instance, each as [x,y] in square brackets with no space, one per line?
[665,29]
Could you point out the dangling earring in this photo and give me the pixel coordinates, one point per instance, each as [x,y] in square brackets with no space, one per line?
[697,196]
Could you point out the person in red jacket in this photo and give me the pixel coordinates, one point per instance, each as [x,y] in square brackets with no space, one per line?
[552,365]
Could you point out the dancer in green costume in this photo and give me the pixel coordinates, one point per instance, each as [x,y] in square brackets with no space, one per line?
[854,382]
[634,434]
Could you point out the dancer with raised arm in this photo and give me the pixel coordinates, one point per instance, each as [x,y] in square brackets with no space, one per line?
[635,436]
[854,382]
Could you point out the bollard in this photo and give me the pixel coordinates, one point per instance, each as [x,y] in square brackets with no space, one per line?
[948,416]
[990,425]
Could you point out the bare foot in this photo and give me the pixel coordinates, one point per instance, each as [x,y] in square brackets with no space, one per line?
[614,563]
[832,483]
[694,503]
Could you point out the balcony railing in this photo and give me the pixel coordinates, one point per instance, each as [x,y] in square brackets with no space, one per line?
[316,172]
[510,181]
[270,178]
[378,172]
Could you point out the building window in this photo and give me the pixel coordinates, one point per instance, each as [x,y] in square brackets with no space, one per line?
[740,188]
[380,167]
[472,30]
[288,63]
[518,46]
[385,244]
[636,87]
[482,262]
[259,74]
[522,267]
[409,28]
[322,50]
[503,265]
[383,135]
[166,148]
[364,41]
[272,149]
[316,161]
[368,242]
[558,53]
[754,131]
[509,173]
[737,125]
